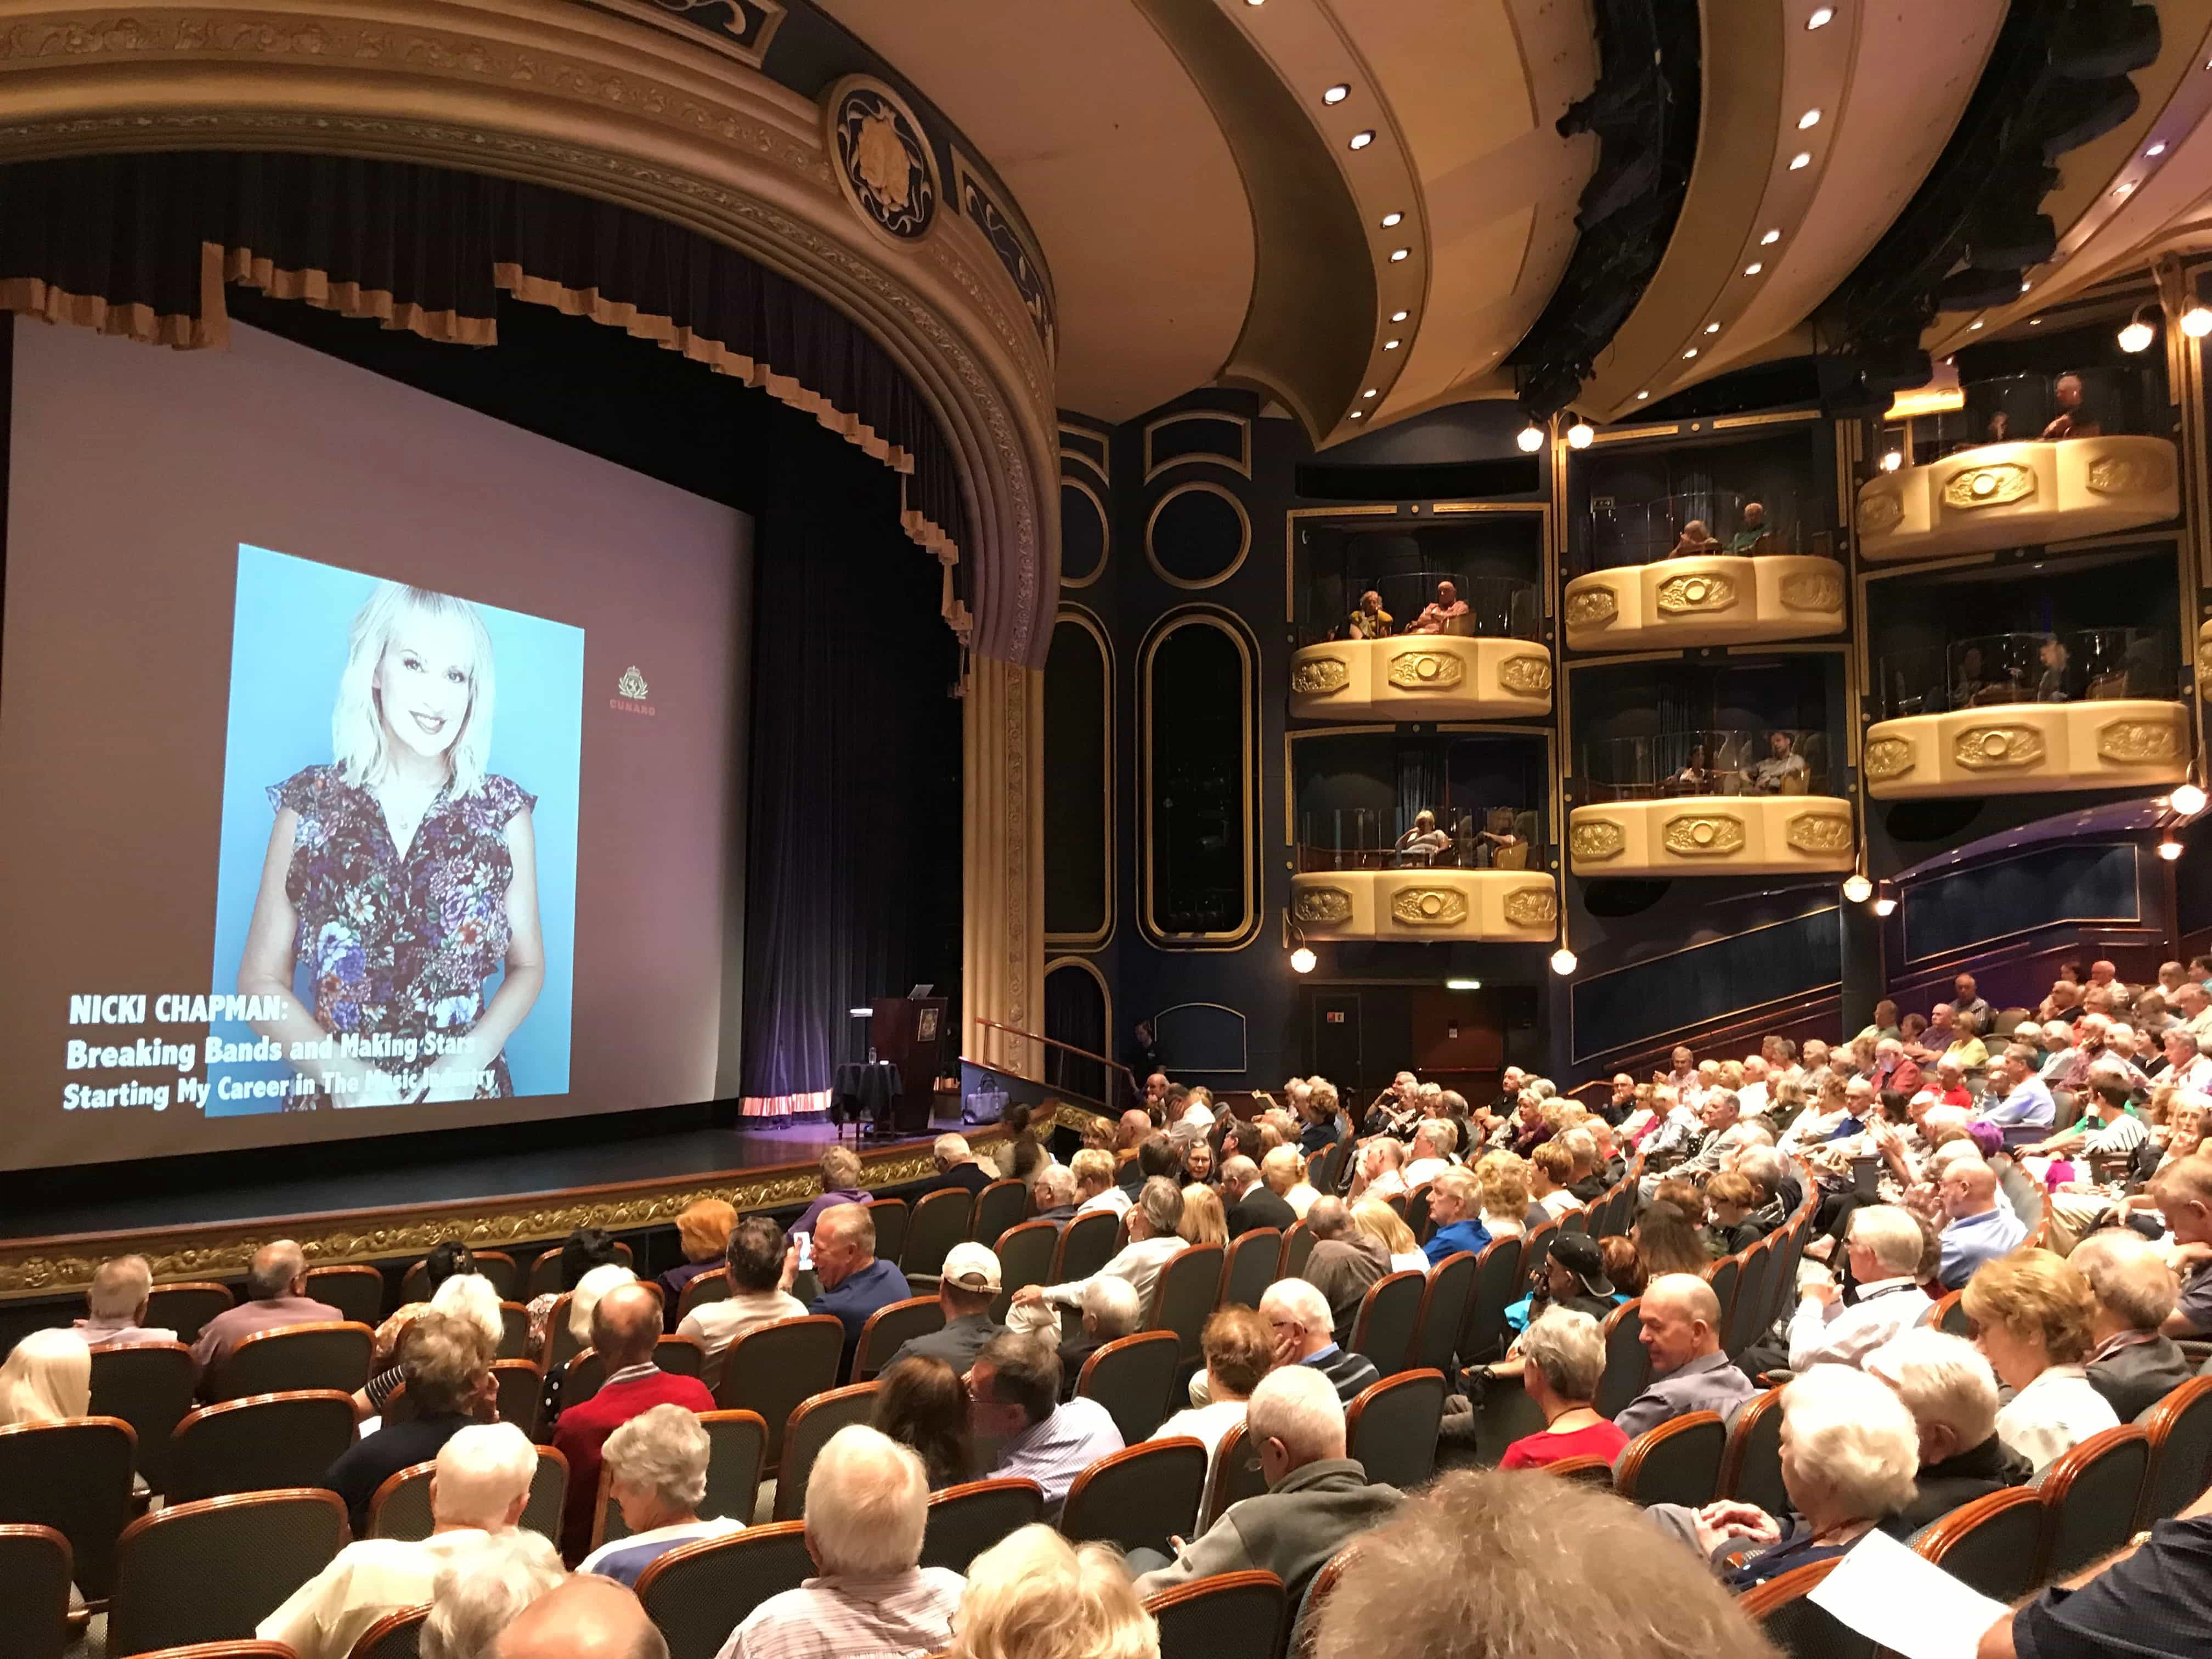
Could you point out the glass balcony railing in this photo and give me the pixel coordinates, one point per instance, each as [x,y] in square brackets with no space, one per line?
[2086,402]
[1416,602]
[1769,760]
[1626,532]
[2077,666]
[1364,838]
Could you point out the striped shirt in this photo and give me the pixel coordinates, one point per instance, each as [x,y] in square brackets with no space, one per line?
[1054,1450]
[835,1617]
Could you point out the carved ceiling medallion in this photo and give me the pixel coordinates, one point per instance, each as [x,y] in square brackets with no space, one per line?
[882,160]
[1429,906]
[1999,484]
[1997,748]
[1597,840]
[1889,757]
[1529,676]
[1426,670]
[2139,743]
[1322,906]
[1819,832]
[1319,676]
[1533,907]
[1592,607]
[1704,835]
[1700,590]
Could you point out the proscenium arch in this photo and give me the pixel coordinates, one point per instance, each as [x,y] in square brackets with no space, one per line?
[601,104]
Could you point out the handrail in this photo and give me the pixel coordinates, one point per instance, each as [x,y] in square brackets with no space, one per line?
[1136,1089]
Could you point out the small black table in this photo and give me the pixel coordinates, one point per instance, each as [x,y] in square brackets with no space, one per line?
[865,1093]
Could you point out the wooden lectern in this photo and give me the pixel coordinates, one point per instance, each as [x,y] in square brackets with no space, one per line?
[908,1032]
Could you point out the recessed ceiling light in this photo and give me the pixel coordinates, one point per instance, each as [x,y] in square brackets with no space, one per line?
[2035,322]
[1769,239]
[1801,161]
[1641,395]
[1370,392]
[1398,253]
[1712,328]
[1390,219]
[1972,326]
[1336,94]
[1821,17]
[2025,286]
[2155,151]
[1356,413]
[1389,345]
[1397,316]
[1361,140]
[1754,269]
[1691,353]
[1811,118]
[2124,189]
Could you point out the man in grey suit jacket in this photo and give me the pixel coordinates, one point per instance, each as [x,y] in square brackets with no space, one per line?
[1317,1500]
[2133,1365]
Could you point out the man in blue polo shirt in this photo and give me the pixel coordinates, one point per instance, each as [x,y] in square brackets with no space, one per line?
[854,1283]
[1455,1207]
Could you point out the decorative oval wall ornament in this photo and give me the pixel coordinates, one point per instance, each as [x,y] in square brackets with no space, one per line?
[1592,607]
[1596,839]
[1322,906]
[1881,508]
[1812,590]
[1533,907]
[1527,676]
[1425,671]
[1697,590]
[2140,742]
[2204,661]
[1997,748]
[883,162]
[1182,536]
[1889,757]
[1429,906]
[1999,484]
[1819,832]
[1319,676]
[2144,474]
[1704,835]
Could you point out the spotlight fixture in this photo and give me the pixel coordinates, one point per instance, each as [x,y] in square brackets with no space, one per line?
[1398,254]
[2168,849]
[1810,119]
[2025,285]
[1857,889]
[1391,219]
[1892,460]
[1641,395]
[1361,140]
[1821,17]
[1564,962]
[1302,960]
[1462,985]
[1371,391]
[2122,188]
[1337,94]
[1972,326]
[2196,322]
[1389,345]
[2155,151]
[1579,435]
[1356,413]
[1885,900]
[2035,322]
[1771,238]
[1801,161]
[2138,334]
[2189,801]
[1531,439]
[1399,316]
[1712,328]
[1754,269]
[1691,353]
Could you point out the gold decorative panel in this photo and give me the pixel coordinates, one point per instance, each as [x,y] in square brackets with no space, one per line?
[1881,511]
[1819,832]
[2204,667]
[1429,906]
[1325,907]
[1533,907]
[1889,758]
[1704,835]
[1812,590]
[1594,842]
[1592,606]
[1998,484]
[1983,748]
[1698,590]
[2139,743]
[1422,670]
[2139,474]
[1530,676]
[1320,676]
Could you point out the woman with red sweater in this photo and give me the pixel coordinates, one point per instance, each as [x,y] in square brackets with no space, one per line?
[1563,1356]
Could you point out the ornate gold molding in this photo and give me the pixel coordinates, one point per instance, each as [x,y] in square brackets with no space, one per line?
[1527,676]
[1426,670]
[2139,743]
[1998,484]
[1812,590]
[1319,676]
[1597,840]
[1592,606]
[2143,474]
[1429,906]
[1697,590]
[1986,748]
[1819,832]
[1322,907]
[1533,907]
[1704,835]
[1889,757]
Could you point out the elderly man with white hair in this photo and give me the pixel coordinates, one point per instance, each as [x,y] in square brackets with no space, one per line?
[479,1595]
[957,1166]
[1381,1171]
[480,1484]
[1304,1333]
[2134,1364]
[1435,1140]
[1317,1500]
[1111,1311]
[122,1291]
[656,1472]
[1153,1240]
[1883,1245]
[868,1499]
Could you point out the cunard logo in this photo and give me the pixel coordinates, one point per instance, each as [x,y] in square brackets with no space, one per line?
[632,690]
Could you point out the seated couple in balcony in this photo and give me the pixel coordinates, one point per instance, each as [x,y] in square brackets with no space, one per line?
[1754,537]
[1783,771]
[1495,847]
[1448,615]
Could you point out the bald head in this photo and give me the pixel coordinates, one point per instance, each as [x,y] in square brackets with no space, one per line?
[1135,1125]
[589,1617]
[626,1325]
[1968,1187]
[1328,1218]
[279,1269]
[1682,1320]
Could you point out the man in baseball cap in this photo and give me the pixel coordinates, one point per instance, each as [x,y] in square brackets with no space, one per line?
[967,1287]
[1578,1275]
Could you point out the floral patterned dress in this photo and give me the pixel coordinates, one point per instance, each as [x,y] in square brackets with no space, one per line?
[400,947]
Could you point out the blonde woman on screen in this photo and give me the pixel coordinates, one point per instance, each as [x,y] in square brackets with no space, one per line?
[404,876]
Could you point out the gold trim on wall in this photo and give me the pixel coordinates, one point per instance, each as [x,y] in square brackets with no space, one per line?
[1092,625]
[1105,527]
[1198,486]
[1249,714]
[1106,999]
[1243,423]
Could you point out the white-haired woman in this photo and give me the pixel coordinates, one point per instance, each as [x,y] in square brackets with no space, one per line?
[656,1475]
[1563,1357]
[47,1378]
[406,874]
[1035,1595]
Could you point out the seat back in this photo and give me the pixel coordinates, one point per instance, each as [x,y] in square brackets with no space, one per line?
[400,1507]
[1991,1545]
[891,1326]
[1949,1316]
[1740,1322]
[356,1291]
[812,1422]
[1797,1626]
[1298,1243]
[1025,1254]
[1001,1205]
[1086,1244]
[1627,1367]
[1189,1286]
[333,1355]
[2092,1494]
[1722,1275]
[1751,1468]
[938,1222]
[1537,1248]
[185,1308]
[149,1386]
[587,1372]
[964,1520]
[75,1477]
[1677,1462]
[521,1387]
[264,1443]
[2180,1430]
[545,1271]
[211,1572]
[1230,1615]
[513,1330]
[702,1288]
[890,1215]
[1390,1430]
[1234,1475]
[1248,1266]
[1497,1283]
[1140,1498]
[1589,1471]
[1389,1315]
[1443,1312]
[1417,1213]
[697,1594]
[396,1635]
[768,1372]
[34,1592]
[1131,1377]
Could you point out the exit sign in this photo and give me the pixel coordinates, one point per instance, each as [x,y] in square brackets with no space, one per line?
[1335,1017]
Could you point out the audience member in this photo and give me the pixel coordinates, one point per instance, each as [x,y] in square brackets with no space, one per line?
[1382,1169]
[841,1174]
[1239,1350]
[1947,1383]
[1111,1311]
[581,1252]
[277,1297]
[1302,1328]
[1095,1187]
[2131,1362]
[480,1486]
[754,1258]
[446,1365]
[702,1230]
[586,1297]
[656,1466]
[2022,1099]
[2034,1315]
[854,1283]
[1681,1333]
[586,1617]
[121,1293]
[2183,1193]
[474,1599]
[1204,1221]
[2153,1600]
[1979,1225]
[1055,1190]
[1379,1222]
[1014,1402]
[1454,1210]
[967,1286]
[447,1260]
[1253,1203]
[923,1405]
[1503,1179]
[625,1327]
[45,1379]
[1197,1168]
[1344,1264]
[1563,1357]
[1153,1240]
[1435,1140]
[1666,1238]
[1883,1247]
[957,1166]
[468,1297]
[1035,1595]
[1731,1197]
